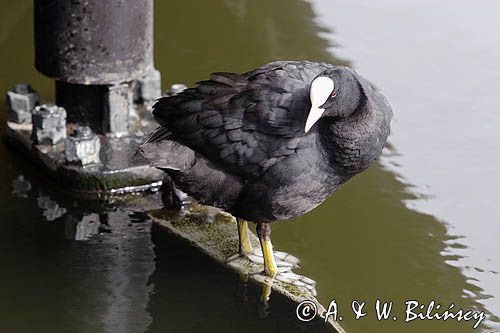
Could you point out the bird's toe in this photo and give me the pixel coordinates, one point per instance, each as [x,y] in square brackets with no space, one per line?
[287,258]
[284,261]
[299,281]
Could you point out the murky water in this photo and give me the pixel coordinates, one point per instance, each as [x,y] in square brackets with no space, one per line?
[419,225]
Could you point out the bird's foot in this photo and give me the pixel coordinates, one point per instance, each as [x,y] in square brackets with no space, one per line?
[284,261]
[224,214]
[299,281]
[285,264]
[304,283]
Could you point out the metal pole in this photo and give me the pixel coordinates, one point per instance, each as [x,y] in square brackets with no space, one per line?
[100,54]
[94,41]
[95,49]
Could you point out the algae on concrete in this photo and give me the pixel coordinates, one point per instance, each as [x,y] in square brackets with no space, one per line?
[215,234]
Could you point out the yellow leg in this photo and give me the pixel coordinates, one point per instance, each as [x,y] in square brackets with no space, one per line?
[266,291]
[264,232]
[245,244]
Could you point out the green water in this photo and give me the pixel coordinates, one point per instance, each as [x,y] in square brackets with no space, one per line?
[377,238]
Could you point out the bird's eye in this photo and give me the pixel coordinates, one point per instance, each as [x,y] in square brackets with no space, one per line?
[334,94]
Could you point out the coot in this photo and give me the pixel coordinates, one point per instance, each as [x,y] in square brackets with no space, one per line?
[270,144]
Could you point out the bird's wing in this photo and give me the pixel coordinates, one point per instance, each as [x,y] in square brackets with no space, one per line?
[242,123]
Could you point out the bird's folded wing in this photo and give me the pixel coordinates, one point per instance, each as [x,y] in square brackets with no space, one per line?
[243,127]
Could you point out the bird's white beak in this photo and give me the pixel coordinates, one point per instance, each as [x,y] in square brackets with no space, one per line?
[321,88]
[314,115]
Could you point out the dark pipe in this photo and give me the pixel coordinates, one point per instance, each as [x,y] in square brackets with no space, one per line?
[94,41]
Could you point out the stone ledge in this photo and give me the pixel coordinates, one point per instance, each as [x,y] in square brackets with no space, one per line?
[216,235]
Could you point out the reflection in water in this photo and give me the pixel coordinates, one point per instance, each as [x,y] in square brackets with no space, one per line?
[122,266]
[194,39]
[16,10]
[110,271]
[362,244]
[88,270]
[82,229]
[191,294]
[50,209]
[445,138]
[20,187]
[391,253]
[373,247]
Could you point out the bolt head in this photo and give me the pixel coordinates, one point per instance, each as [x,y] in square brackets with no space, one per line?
[49,124]
[175,89]
[21,100]
[82,151]
[23,89]
[82,132]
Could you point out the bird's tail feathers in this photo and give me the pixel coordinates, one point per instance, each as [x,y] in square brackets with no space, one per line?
[159,134]
[167,155]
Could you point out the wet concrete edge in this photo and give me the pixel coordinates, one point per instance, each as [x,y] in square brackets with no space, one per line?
[216,235]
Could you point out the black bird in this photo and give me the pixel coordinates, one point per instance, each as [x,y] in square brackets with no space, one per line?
[270,144]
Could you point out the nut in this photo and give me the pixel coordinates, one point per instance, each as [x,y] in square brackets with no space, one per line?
[83,146]
[20,102]
[49,124]
[175,89]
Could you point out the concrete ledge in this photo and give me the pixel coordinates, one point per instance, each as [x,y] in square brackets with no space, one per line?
[216,235]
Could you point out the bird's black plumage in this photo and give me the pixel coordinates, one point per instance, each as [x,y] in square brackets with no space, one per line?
[237,141]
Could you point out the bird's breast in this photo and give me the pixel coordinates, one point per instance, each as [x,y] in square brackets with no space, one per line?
[294,185]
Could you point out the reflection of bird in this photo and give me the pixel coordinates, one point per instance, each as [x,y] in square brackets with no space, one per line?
[270,144]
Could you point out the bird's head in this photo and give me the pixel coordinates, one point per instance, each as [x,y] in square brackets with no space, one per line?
[334,93]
